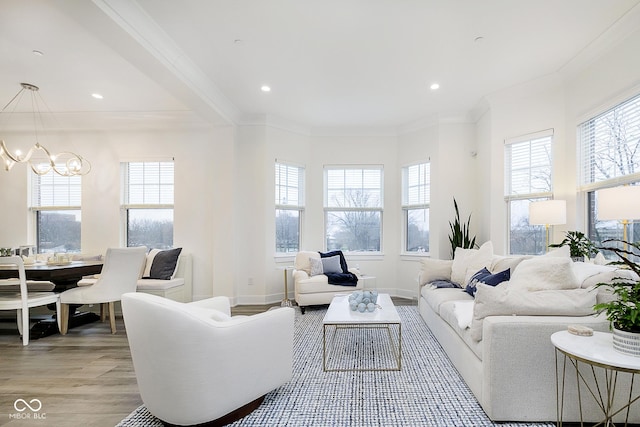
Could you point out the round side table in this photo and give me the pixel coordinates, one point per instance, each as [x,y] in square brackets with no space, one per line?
[596,352]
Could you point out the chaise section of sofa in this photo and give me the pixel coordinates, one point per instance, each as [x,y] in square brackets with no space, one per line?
[511,368]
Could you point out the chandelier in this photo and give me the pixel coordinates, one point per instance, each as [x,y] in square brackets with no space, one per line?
[38,157]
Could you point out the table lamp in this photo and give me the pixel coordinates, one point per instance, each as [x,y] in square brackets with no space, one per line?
[548,212]
[619,203]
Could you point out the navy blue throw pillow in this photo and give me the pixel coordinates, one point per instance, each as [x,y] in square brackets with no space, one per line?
[471,286]
[497,278]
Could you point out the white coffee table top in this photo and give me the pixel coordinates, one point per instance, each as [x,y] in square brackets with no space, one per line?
[597,348]
[340,313]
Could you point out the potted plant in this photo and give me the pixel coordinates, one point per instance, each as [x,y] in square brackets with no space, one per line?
[460,235]
[579,245]
[623,310]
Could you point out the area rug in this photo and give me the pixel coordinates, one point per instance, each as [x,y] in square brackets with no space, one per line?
[427,391]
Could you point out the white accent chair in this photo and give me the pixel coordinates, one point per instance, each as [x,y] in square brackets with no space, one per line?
[21,300]
[119,275]
[195,363]
[315,290]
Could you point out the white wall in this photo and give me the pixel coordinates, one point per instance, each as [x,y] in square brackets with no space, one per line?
[203,203]
[224,212]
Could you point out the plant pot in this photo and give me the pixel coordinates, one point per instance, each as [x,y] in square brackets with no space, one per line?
[626,342]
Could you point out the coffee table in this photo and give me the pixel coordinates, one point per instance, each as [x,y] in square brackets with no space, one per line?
[354,341]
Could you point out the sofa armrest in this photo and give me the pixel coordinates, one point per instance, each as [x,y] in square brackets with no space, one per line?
[512,370]
[299,275]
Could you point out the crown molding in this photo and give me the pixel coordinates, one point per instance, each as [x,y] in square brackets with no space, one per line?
[108,120]
[616,33]
[133,19]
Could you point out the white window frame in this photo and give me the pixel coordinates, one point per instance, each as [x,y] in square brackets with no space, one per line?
[164,201]
[419,200]
[591,130]
[282,202]
[333,206]
[512,195]
[67,198]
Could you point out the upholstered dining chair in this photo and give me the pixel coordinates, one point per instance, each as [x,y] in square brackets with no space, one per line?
[120,272]
[196,364]
[21,299]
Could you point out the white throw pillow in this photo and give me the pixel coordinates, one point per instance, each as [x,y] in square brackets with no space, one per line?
[149,262]
[503,300]
[468,262]
[435,269]
[543,273]
[316,267]
[562,251]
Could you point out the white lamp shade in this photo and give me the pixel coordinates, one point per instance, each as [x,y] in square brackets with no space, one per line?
[618,203]
[548,212]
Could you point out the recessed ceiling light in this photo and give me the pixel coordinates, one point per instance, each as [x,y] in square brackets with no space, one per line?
[97,96]
[434,86]
[265,88]
[37,52]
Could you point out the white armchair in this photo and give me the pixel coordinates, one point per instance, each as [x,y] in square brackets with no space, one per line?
[195,363]
[315,290]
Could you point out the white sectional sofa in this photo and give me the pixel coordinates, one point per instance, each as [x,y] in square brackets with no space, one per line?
[501,347]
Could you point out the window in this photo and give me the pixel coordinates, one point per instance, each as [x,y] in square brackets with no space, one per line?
[416,195]
[353,208]
[148,204]
[55,202]
[610,156]
[528,166]
[289,206]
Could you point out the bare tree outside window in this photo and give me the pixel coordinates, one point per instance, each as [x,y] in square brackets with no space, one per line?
[529,178]
[610,143]
[289,204]
[353,212]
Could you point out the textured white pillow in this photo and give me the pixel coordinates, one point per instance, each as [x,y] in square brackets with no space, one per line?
[435,269]
[316,267]
[468,262]
[503,300]
[542,273]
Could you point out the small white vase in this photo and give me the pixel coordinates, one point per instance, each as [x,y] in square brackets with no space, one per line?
[626,342]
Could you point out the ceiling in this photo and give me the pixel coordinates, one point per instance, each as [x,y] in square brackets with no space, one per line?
[329,63]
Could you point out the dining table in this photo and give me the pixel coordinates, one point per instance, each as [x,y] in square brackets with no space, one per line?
[64,275]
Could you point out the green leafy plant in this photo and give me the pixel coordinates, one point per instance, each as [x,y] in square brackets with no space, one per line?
[579,245]
[624,310]
[460,235]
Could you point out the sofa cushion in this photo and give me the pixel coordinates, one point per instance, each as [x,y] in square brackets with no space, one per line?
[544,273]
[158,284]
[503,300]
[435,297]
[434,269]
[467,262]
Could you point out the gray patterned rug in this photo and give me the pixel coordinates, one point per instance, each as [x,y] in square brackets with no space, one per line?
[427,391]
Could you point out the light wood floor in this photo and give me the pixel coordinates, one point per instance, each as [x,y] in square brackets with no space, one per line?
[85,378]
